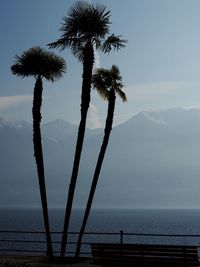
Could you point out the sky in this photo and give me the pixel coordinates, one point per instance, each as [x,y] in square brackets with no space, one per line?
[160,65]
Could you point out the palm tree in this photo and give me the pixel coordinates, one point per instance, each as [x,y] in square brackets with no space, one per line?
[108,83]
[40,64]
[86,27]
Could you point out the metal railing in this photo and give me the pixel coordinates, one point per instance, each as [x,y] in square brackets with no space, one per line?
[34,242]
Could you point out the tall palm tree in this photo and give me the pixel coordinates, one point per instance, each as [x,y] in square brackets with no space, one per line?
[108,83]
[86,27]
[40,64]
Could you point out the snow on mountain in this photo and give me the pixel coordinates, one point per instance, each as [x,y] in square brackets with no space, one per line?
[15,125]
[155,119]
[58,129]
[174,116]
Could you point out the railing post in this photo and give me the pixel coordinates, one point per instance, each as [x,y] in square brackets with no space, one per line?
[121,237]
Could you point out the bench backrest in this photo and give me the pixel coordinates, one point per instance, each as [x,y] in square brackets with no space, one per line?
[109,254]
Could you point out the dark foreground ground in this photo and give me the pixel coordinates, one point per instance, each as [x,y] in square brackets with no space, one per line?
[28,261]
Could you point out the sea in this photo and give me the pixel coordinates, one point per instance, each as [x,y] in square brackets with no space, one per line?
[104,225]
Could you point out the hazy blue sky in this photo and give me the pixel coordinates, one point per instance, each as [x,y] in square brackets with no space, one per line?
[160,65]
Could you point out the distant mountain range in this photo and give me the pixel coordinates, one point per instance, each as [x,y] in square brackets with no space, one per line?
[152,161]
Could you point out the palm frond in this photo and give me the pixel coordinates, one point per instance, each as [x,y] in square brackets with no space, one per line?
[60,43]
[87,23]
[78,52]
[64,43]
[114,42]
[104,80]
[99,84]
[120,93]
[83,23]
[115,73]
[37,61]
[103,93]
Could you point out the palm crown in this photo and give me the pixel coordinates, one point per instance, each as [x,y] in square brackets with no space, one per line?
[87,24]
[104,80]
[38,61]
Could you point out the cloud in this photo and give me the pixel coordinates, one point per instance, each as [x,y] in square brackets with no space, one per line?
[10,101]
[93,118]
[164,94]
[192,107]
[97,63]
[159,88]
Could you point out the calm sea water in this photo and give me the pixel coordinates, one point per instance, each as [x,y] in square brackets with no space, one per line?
[130,221]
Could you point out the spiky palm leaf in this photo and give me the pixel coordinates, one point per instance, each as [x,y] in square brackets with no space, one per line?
[104,80]
[113,42]
[38,61]
[83,22]
[87,23]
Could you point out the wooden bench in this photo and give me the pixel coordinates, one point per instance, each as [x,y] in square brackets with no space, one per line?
[109,254]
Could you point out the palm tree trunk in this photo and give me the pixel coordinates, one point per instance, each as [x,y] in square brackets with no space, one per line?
[85,101]
[37,142]
[108,128]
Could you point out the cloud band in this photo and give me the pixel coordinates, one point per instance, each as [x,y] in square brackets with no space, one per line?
[10,101]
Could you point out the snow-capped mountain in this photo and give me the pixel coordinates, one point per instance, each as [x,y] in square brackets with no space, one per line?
[58,129]
[152,160]
[4,123]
